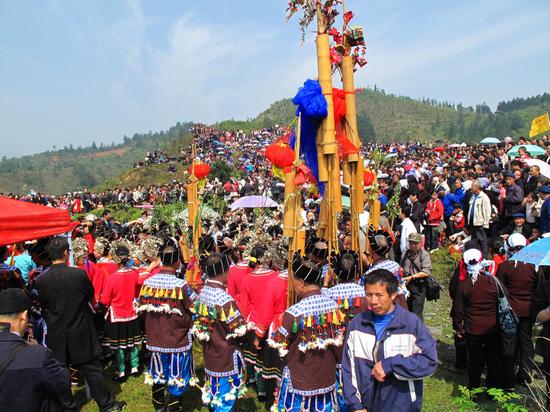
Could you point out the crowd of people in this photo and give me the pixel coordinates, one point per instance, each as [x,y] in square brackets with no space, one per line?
[353,339]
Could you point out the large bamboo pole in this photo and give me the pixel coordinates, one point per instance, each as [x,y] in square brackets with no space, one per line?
[290,206]
[292,219]
[350,127]
[324,68]
[351,111]
[326,138]
[193,208]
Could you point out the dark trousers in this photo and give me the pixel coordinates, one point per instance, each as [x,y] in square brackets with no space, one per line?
[432,237]
[415,301]
[92,371]
[524,344]
[449,226]
[461,353]
[478,233]
[484,350]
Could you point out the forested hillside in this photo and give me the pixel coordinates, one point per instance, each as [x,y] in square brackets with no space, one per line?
[385,117]
[71,168]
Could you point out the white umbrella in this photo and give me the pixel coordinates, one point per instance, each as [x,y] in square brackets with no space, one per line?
[253,202]
[543,166]
[490,140]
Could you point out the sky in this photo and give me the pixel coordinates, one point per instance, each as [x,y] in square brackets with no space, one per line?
[80,71]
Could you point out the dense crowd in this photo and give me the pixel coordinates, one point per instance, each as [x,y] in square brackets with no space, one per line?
[139,299]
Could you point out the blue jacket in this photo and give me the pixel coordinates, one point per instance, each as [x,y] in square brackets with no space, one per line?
[545,216]
[407,352]
[449,199]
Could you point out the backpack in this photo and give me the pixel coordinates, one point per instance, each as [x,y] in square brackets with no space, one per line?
[433,290]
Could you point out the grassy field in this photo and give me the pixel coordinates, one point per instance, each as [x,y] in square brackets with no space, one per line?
[439,389]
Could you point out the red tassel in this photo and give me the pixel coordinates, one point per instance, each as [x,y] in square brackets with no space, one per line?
[345,146]
[329,317]
[357,302]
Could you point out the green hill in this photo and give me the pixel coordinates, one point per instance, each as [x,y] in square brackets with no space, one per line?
[385,117]
[382,117]
[71,169]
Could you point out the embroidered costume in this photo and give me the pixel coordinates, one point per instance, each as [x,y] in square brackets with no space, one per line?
[165,301]
[350,298]
[218,325]
[310,331]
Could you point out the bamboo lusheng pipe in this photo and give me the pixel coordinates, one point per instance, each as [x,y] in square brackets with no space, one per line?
[347,178]
[328,199]
[324,70]
[193,207]
[360,187]
[357,200]
[291,194]
[292,216]
[374,214]
[351,111]
[323,219]
[290,205]
[321,159]
[336,187]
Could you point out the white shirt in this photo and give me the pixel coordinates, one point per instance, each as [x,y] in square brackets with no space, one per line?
[407,227]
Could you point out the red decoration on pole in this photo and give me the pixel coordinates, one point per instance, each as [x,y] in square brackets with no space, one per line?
[368,177]
[345,146]
[201,170]
[280,154]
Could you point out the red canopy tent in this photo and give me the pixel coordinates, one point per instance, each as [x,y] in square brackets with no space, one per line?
[20,221]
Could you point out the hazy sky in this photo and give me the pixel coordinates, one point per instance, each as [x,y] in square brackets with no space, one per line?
[76,71]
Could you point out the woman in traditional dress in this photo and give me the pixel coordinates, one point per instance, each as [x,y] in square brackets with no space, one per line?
[122,330]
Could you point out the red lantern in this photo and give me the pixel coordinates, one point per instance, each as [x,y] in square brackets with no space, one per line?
[280,154]
[368,177]
[201,170]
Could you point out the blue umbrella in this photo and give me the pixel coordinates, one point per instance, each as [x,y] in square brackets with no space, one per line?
[490,140]
[537,253]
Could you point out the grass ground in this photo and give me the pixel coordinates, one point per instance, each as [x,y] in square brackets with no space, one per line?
[439,389]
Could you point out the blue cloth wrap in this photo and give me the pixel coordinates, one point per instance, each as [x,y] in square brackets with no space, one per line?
[312,105]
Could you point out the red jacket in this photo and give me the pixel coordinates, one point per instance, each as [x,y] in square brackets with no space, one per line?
[274,304]
[119,292]
[254,297]
[90,239]
[97,277]
[434,210]
[235,278]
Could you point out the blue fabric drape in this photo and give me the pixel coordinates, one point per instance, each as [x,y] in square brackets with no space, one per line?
[312,105]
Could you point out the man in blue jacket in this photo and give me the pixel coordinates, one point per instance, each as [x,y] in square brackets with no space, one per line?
[387,353]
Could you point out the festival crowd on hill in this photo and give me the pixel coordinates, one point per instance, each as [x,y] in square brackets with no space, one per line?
[136,299]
